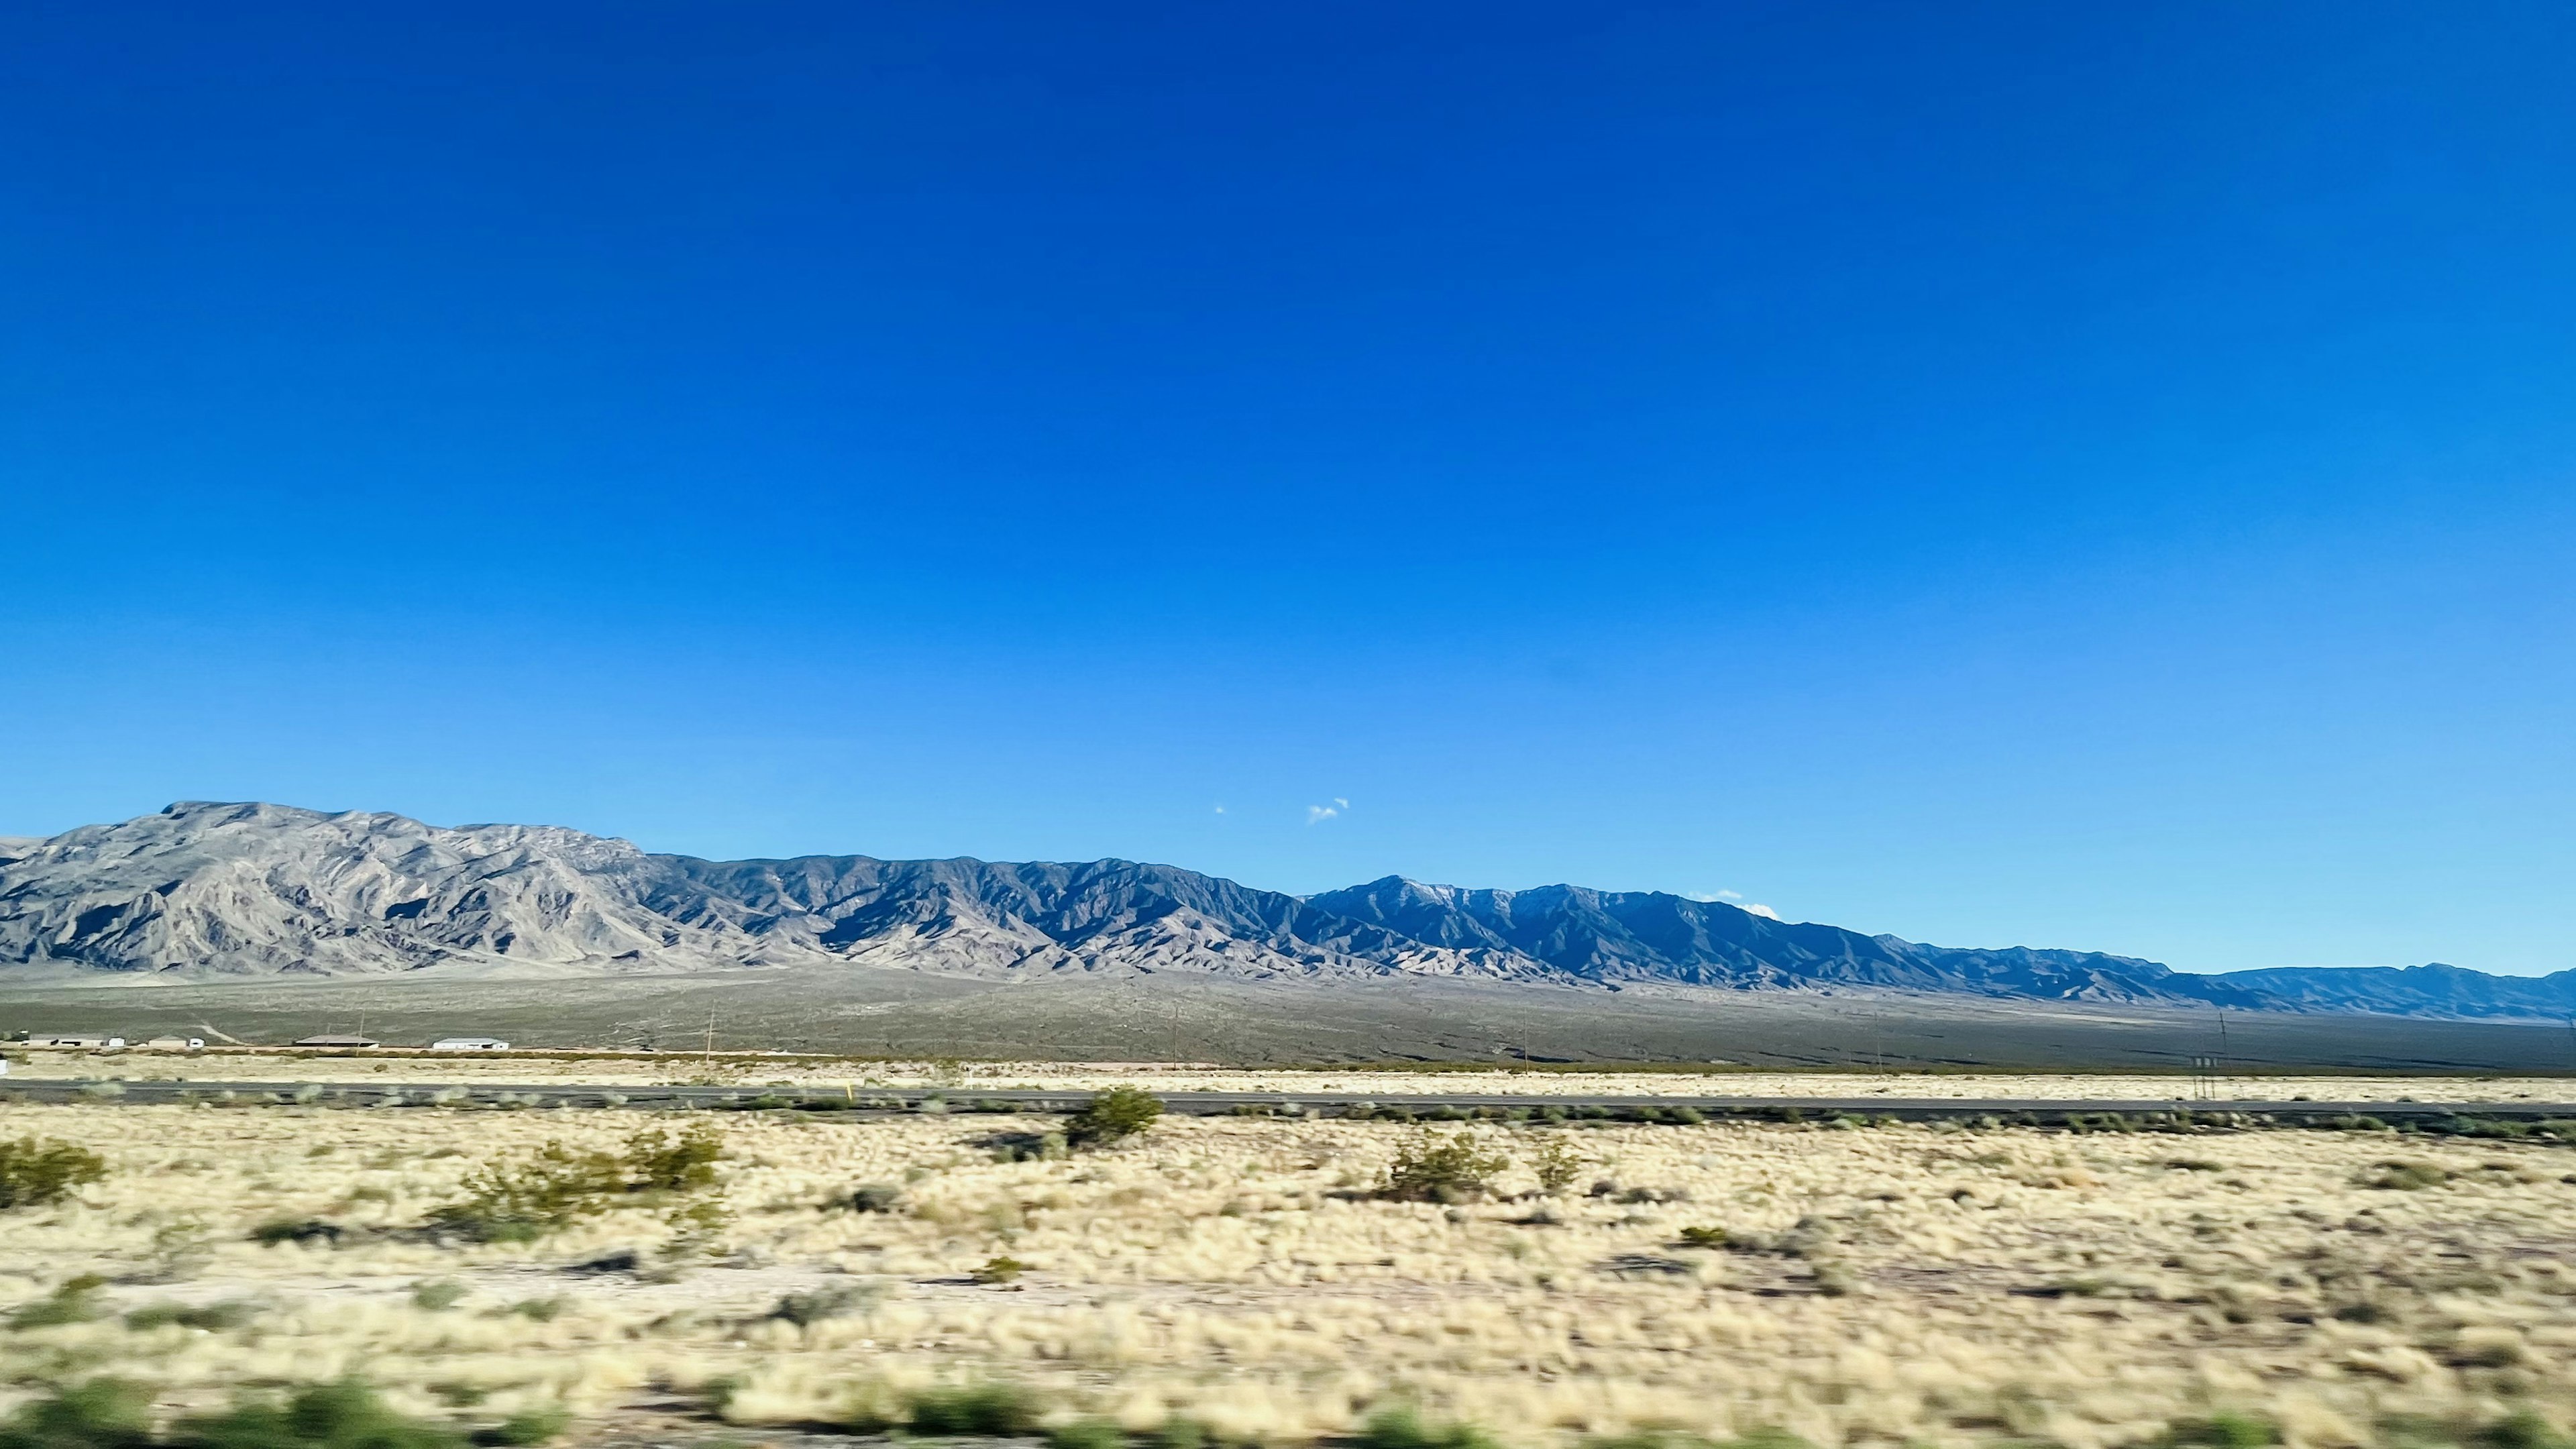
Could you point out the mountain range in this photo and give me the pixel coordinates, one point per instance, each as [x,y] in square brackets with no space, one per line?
[204,891]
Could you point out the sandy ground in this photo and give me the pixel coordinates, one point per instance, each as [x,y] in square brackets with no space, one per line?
[1899,1284]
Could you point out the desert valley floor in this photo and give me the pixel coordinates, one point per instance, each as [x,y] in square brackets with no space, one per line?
[1251,1279]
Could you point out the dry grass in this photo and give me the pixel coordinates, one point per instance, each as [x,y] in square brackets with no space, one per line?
[1898,1284]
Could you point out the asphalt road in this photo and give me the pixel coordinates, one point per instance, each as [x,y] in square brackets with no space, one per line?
[881,1102]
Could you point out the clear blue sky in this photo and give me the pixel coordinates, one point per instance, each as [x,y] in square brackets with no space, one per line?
[2075,475]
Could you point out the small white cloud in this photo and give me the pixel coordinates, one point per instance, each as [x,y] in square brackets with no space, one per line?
[1338,800]
[1220,810]
[1712,896]
[1318,814]
[1756,908]
[1730,895]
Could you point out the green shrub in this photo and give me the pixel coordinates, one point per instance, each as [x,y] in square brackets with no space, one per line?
[555,1186]
[74,1300]
[551,1189]
[1113,1116]
[2222,1431]
[342,1415]
[658,1162]
[214,1317]
[113,1414]
[1402,1428]
[1556,1165]
[1433,1170]
[2404,1176]
[1001,1270]
[988,1410]
[1704,1237]
[439,1296]
[2521,1430]
[100,1414]
[35,1171]
[1087,1434]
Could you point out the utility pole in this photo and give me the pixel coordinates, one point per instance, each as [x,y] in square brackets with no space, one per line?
[711,1039]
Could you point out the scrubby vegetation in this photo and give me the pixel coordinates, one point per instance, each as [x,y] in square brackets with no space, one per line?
[1434,1169]
[1402,1427]
[1113,1116]
[556,1186]
[985,1409]
[35,1171]
[1217,1283]
[1555,1165]
[111,1413]
[74,1300]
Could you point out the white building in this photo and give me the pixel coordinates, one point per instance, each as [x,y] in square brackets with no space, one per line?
[175,1044]
[469,1044]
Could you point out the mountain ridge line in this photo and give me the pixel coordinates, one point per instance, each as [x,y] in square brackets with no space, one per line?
[216,891]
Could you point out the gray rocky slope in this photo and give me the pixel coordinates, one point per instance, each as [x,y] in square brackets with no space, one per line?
[221,891]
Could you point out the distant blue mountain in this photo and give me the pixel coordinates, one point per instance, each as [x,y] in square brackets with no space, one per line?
[233,891]
[2431,990]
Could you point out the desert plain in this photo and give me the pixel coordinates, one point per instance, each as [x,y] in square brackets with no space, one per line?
[1249,1280]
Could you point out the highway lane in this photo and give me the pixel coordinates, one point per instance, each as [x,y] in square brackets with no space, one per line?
[883,1101]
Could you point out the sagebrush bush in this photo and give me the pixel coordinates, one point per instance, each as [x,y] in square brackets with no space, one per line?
[1556,1165]
[113,1414]
[343,1415]
[2404,1176]
[555,1186]
[74,1300]
[1087,1434]
[991,1410]
[1001,1270]
[1403,1428]
[2222,1431]
[99,1414]
[437,1296]
[35,1171]
[1113,1116]
[656,1161]
[1434,1170]
[213,1317]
